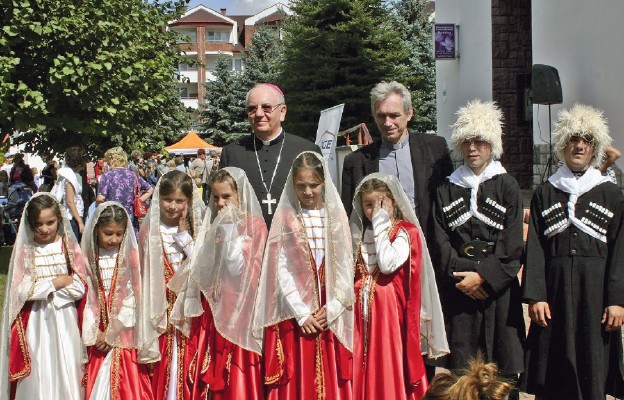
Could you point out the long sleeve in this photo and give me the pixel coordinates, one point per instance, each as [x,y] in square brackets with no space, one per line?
[185,241]
[234,257]
[35,289]
[534,274]
[448,260]
[502,267]
[615,272]
[390,256]
[69,293]
[287,284]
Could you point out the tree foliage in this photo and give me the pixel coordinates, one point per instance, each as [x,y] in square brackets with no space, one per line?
[264,59]
[224,117]
[97,73]
[415,30]
[335,52]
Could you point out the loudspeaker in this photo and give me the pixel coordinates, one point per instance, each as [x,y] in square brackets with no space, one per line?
[546,86]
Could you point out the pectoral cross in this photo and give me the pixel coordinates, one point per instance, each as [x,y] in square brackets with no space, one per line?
[269,201]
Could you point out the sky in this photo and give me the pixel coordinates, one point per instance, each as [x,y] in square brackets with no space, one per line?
[237,7]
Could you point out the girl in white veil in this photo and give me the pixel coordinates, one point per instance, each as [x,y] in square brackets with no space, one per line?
[110,323]
[41,349]
[393,273]
[305,296]
[225,268]
[166,241]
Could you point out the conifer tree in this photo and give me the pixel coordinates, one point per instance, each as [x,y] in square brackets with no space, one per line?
[335,51]
[224,117]
[418,76]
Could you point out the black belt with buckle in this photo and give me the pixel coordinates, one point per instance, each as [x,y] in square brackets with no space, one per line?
[476,250]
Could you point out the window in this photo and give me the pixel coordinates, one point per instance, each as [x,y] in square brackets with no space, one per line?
[187,37]
[217,36]
[184,93]
[186,67]
[237,64]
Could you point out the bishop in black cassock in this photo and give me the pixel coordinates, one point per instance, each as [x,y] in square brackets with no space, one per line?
[267,155]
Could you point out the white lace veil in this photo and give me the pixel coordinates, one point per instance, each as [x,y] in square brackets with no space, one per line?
[287,237]
[153,304]
[433,334]
[21,267]
[125,289]
[226,265]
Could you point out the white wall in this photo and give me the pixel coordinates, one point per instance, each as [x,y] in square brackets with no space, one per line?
[583,40]
[470,76]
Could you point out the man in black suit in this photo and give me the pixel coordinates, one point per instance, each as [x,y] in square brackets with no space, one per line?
[267,155]
[420,161]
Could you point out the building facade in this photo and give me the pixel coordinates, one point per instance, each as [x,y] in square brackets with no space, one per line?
[210,35]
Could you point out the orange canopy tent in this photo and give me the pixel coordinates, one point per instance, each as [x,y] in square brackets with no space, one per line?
[189,144]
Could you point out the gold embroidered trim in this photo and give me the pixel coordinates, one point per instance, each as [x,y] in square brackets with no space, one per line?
[24,347]
[269,380]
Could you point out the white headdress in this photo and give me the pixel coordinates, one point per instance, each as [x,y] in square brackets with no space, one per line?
[225,266]
[288,248]
[433,340]
[586,121]
[22,268]
[120,311]
[153,305]
[479,120]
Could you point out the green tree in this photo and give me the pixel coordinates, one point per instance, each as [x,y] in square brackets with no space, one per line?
[97,73]
[264,59]
[335,52]
[224,117]
[412,23]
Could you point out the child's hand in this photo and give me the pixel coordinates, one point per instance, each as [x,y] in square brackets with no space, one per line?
[182,224]
[383,203]
[100,343]
[613,317]
[311,326]
[62,281]
[470,285]
[321,318]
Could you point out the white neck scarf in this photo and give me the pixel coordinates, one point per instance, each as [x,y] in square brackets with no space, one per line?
[464,177]
[565,180]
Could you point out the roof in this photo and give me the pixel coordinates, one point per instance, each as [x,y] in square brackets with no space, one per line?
[189,144]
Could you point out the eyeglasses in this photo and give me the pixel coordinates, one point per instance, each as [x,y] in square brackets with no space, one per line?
[266,108]
[576,139]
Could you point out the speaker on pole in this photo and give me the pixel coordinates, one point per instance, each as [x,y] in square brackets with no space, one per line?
[545,85]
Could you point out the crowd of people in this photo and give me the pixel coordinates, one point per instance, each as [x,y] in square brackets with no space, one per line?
[282,288]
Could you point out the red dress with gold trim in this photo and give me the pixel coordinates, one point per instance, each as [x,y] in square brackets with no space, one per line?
[128,378]
[386,353]
[301,367]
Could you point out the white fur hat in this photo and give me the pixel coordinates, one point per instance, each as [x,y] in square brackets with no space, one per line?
[479,120]
[582,120]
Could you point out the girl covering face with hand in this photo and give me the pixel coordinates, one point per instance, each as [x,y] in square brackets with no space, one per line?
[166,241]
[109,328]
[396,294]
[40,344]
[221,290]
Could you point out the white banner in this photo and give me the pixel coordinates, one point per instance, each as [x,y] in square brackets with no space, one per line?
[326,134]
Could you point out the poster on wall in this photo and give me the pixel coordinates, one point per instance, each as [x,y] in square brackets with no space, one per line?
[445,42]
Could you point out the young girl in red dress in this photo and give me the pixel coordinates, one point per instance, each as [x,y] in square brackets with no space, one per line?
[166,241]
[109,328]
[221,290]
[306,296]
[398,316]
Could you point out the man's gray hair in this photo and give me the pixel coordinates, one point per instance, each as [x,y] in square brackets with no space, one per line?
[382,90]
[280,96]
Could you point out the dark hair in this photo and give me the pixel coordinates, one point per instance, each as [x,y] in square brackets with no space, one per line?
[309,161]
[200,152]
[4,176]
[147,155]
[113,213]
[440,387]
[176,179]
[377,185]
[74,156]
[39,203]
[224,176]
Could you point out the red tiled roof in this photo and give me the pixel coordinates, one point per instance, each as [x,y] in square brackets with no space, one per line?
[202,17]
